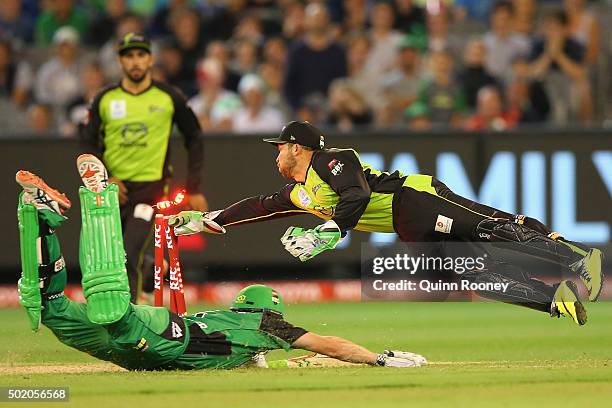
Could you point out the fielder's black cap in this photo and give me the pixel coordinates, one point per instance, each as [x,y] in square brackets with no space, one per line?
[133,40]
[302,133]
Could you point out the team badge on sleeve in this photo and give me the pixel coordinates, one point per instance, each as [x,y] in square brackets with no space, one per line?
[335,166]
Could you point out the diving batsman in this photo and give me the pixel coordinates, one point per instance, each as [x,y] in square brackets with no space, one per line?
[333,184]
[140,337]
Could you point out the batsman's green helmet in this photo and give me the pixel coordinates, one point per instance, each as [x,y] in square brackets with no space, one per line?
[257,298]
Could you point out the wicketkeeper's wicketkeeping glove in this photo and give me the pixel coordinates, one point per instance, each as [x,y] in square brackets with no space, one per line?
[192,222]
[306,244]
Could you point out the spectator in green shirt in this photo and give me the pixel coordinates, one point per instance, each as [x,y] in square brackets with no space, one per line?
[59,13]
[441,99]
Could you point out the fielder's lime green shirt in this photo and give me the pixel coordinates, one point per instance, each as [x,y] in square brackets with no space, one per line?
[131,132]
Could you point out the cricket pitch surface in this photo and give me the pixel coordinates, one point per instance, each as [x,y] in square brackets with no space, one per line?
[480,354]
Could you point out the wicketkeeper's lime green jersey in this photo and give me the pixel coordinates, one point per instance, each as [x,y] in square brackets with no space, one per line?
[338,186]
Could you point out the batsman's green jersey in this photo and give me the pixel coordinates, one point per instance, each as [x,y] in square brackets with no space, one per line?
[152,338]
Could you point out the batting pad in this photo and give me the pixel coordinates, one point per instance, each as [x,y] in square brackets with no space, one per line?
[102,256]
[29,244]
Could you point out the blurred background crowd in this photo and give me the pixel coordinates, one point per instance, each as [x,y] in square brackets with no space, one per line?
[251,65]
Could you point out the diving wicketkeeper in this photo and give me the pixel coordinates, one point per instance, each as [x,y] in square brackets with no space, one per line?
[139,337]
[333,184]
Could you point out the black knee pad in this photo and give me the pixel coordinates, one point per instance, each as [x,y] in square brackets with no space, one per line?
[529,241]
[520,288]
[532,223]
[503,230]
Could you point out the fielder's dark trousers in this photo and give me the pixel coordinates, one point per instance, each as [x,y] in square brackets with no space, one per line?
[415,214]
[137,223]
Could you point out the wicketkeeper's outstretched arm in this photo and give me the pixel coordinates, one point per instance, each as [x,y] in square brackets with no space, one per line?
[252,209]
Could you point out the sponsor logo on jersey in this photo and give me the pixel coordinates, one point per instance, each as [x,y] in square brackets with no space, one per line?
[134,134]
[325,211]
[335,166]
[444,224]
[59,264]
[176,331]
[304,198]
[118,109]
[141,345]
[155,108]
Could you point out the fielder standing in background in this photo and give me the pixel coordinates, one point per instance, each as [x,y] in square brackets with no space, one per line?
[129,128]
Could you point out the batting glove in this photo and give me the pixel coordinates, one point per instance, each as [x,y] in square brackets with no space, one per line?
[388,361]
[259,360]
[306,244]
[406,355]
[192,222]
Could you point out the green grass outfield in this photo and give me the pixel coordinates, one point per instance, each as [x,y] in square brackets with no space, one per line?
[481,354]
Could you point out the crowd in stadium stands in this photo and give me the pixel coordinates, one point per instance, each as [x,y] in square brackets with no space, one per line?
[251,65]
